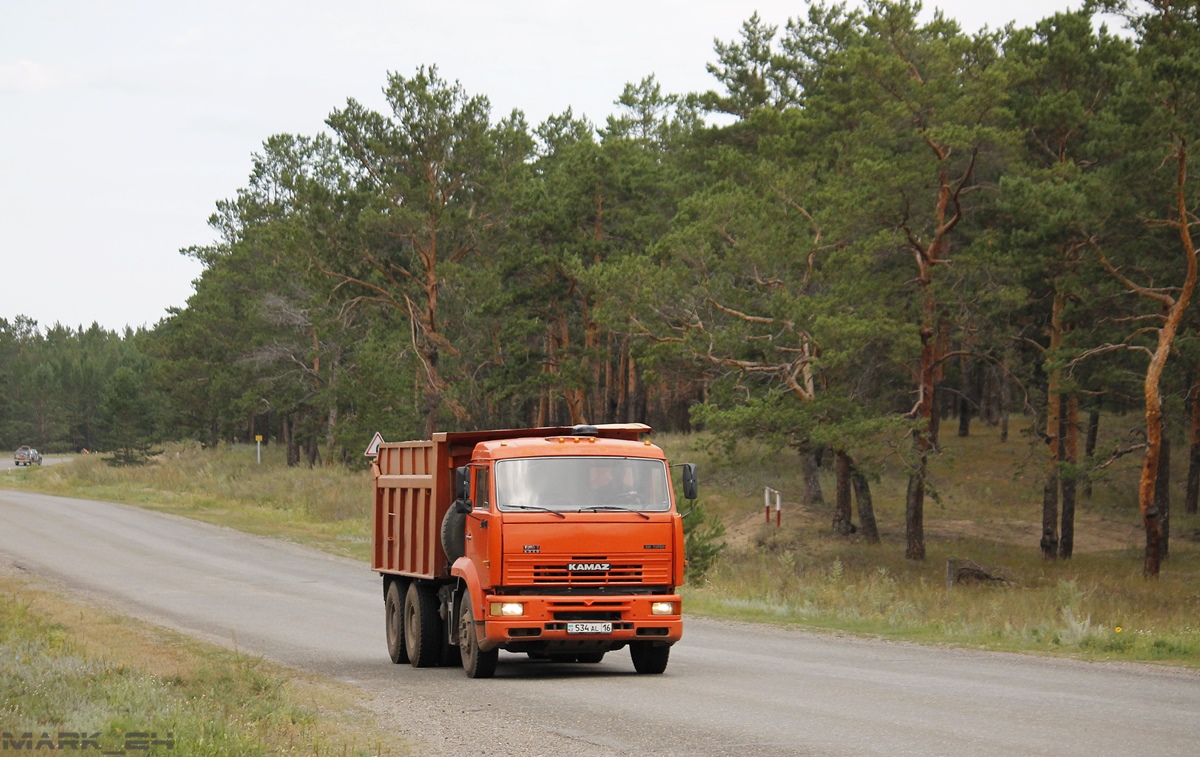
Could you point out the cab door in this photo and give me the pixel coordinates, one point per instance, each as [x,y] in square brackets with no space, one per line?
[479,525]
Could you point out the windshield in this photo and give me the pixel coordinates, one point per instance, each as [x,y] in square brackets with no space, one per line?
[582,483]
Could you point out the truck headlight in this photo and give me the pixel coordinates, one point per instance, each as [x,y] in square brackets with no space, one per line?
[662,608]
[508,609]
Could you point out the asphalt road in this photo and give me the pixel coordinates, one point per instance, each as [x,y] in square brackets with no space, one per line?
[730,688]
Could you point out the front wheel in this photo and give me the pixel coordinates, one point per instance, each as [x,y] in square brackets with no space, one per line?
[393,608]
[476,662]
[648,658]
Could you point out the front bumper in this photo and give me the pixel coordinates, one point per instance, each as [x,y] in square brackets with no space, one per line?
[544,623]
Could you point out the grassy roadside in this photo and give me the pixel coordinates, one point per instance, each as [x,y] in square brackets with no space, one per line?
[987,509]
[326,508]
[1098,608]
[73,676]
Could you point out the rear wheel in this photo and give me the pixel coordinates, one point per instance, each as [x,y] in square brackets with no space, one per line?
[393,608]
[590,657]
[476,662]
[422,637]
[648,658]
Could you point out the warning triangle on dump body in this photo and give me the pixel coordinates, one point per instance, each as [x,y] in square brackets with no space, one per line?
[373,447]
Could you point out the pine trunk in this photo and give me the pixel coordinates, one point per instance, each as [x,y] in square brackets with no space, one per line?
[623,389]
[1049,541]
[866,508]
[841,510]
[1193,478]
[313,449]
[923,439]
[1174,309]
[1054,405]
[965,398]
[573,396]
[938,392]
[1089,449]
[914,516]
[1162,494]
[289,436]
[813,497]
[331,420]
[1147,502]
[1005,402]
[1068,435]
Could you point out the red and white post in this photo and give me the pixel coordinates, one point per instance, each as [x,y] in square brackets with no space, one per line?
[767,492]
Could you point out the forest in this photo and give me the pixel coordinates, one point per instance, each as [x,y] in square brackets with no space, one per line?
[873,225]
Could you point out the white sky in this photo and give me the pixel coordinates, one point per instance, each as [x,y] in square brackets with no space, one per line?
[123,122]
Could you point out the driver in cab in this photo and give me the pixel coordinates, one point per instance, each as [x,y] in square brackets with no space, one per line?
[612,484]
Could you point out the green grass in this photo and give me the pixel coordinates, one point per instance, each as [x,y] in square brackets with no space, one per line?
[987,509]
[65,672]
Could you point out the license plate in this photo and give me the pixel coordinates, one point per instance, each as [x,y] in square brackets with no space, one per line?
[589,628]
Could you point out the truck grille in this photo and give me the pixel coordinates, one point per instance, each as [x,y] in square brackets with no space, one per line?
[549,570]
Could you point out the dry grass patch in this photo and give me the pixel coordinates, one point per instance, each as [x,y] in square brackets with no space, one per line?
[69,667]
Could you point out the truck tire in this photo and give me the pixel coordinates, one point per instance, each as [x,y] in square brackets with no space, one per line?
[591,658]
[454,534]
[476,662]
[422,627]
[649,658]
[393,608]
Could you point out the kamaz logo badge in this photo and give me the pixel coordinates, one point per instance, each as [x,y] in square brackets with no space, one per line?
[533,549]
[588,566]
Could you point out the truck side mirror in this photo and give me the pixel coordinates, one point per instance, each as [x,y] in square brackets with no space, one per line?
[462,489]
[462,482]
[690,483]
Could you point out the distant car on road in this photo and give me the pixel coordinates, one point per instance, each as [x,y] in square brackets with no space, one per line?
[27,455]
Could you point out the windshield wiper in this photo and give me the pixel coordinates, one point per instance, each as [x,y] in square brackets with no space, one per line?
[616,508]
[538,508]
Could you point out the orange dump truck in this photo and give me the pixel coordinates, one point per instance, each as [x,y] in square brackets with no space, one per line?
[563,543]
